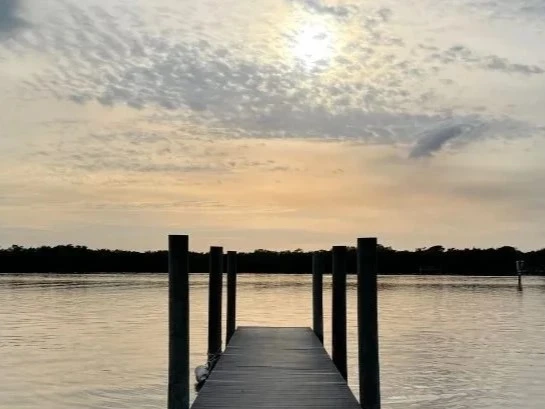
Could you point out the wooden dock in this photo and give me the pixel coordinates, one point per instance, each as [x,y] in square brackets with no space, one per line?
[272,367]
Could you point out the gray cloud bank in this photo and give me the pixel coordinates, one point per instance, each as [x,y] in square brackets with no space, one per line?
[432,140]
[10,20]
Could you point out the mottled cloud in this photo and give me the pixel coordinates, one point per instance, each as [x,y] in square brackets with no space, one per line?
[463,55]
[519,11]
[321,7]
[112,66]
[374,85]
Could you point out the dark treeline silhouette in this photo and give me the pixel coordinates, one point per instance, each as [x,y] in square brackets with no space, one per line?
[432,260]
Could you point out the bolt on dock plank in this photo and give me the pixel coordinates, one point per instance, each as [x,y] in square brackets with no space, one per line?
[275,367]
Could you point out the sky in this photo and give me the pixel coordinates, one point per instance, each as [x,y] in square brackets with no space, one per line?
[276,124]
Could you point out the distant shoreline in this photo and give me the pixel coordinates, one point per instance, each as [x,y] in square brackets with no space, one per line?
[95,273]
[435,260]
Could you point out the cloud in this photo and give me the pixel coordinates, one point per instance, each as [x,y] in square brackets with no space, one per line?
[460,54]
[436,138]
[495,63]
[318,6]
[374,88]
[215,84]
[10,21]
[520,12]
[169,153]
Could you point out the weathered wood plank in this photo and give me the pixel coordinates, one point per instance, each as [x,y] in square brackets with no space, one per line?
[271,367]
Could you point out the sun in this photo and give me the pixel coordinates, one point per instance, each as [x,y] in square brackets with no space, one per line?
[312,43]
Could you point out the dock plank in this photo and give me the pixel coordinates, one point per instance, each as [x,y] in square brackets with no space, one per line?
[275,367]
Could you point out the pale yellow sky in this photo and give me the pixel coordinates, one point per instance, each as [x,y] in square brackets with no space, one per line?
[291,124]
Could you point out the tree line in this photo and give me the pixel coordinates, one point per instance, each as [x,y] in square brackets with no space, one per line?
[431,260]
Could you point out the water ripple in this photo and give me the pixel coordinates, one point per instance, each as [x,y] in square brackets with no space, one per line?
[100,341]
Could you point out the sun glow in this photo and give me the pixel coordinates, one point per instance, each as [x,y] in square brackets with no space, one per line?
[313,44]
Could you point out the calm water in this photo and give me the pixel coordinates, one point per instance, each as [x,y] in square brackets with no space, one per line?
[101,341]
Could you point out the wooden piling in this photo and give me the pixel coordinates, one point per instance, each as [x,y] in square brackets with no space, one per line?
[178,323]
[231,294]
[214,302]
[318,269]
[368,347]
[519,264]
[338,310]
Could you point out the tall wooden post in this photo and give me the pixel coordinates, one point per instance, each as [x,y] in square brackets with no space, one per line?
[368,347]
[231,294]
[318,268]
[178,323]
[338,310]
[214,303]
[520,268]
